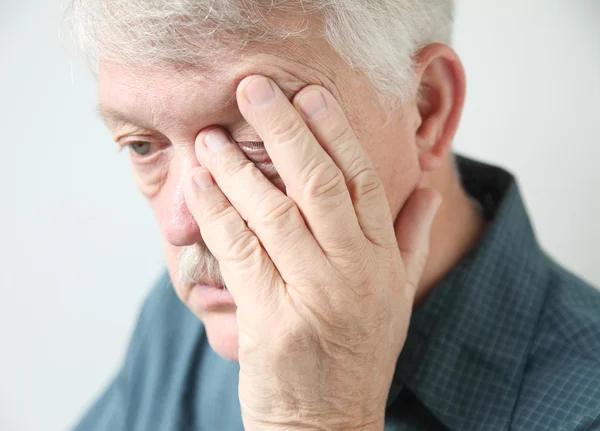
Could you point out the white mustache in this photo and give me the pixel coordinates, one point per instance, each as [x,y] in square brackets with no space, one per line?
[197,265]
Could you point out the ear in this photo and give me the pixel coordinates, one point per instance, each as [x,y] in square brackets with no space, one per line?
[440,98]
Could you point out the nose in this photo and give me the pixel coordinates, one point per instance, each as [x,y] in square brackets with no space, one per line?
[178,225]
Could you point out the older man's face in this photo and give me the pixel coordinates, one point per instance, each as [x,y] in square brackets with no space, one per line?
[159,112]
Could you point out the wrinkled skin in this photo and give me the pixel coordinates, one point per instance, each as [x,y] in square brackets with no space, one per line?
[320,284]
[323,242]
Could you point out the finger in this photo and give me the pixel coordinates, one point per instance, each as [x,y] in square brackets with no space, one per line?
[272,216]
[413,228]
[326,119]
[311,177]
[242,259]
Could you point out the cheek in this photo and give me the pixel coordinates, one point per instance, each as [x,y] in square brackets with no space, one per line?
[389,140]
[394,156]
[150,177]
[168,208]
[152,180]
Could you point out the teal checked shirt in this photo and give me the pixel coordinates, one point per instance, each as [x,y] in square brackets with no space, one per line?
[509,340]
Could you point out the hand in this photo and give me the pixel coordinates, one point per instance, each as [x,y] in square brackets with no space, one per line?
[324,288]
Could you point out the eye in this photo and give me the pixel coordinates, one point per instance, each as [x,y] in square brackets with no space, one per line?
[255,151]
[253,145]
[140,148]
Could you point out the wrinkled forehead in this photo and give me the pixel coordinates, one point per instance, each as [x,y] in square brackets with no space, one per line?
[162,90]
[164,95]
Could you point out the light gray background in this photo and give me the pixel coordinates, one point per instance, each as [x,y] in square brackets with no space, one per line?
[79,245]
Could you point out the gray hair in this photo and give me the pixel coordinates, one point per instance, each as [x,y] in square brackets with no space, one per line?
[376,37]
[197,265]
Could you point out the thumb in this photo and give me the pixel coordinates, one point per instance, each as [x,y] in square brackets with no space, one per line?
[413,228]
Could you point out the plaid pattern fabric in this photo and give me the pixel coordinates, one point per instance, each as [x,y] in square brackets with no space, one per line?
[508,341]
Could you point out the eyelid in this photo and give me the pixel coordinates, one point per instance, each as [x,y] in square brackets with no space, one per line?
[157,148]
[139,134]
[126,141]
[251,143]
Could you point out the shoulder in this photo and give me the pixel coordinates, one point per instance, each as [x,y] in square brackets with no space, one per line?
[572,313]
[162,355]
[148,388]
[561,382]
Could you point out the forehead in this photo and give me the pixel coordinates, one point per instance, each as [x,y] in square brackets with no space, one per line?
[163,97]
[149,95]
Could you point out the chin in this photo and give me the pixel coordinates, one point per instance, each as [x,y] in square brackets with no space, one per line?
[222,333]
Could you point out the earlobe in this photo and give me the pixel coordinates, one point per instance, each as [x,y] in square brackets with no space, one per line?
[439,102]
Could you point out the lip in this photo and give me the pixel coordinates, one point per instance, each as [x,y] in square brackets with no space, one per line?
[211,297]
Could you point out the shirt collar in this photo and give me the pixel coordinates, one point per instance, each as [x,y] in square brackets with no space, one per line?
[467,343]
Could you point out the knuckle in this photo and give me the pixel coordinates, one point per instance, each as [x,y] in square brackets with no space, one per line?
[277,210]
[324,180]
[340,133]
[218,211]
[347,253]
[360,176]
[364,181]
[244,247]
[237,167]
[287,130]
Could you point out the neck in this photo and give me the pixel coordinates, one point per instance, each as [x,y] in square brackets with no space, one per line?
[458,227]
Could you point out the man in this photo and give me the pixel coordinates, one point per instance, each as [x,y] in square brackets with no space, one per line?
[344,271]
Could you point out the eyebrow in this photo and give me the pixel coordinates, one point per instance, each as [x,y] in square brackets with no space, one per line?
[111,116]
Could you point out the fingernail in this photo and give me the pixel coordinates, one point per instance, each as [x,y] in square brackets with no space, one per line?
[260,92]
[216,139]
[203,179]
[312,104]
